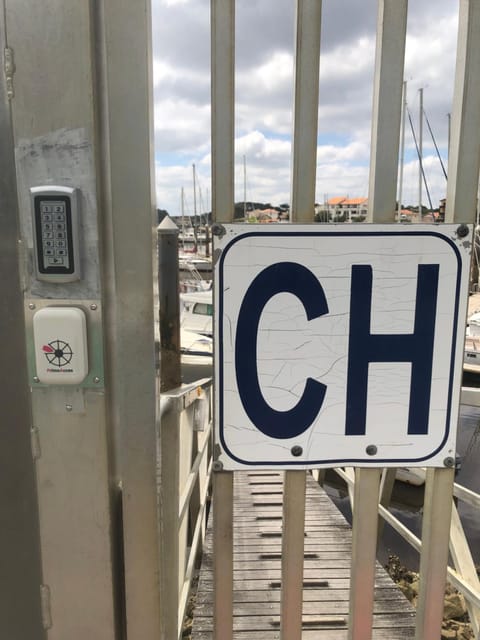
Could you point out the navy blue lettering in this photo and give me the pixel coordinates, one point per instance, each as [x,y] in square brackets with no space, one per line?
[288,277]
[365,347]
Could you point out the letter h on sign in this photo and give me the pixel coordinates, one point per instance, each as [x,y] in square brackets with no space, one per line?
[365,347]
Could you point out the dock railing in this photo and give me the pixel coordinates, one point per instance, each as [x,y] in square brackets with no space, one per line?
[183,479]
[463,574]
[184,473]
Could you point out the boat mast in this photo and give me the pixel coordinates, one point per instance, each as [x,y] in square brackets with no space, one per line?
[195,245]
[182,206]
[194,195]
[420,155]
[402,151]
[244,187]
[449,124]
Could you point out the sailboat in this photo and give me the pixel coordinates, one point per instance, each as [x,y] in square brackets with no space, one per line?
[195,268]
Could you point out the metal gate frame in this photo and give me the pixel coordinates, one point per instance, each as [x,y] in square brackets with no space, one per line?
[463,171]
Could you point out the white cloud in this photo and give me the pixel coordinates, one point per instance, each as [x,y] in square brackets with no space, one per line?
[264,90]
[182,127]
[172,3]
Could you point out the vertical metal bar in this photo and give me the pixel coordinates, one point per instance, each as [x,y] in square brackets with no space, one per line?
[364,549]
[223,61]
[19,527]
[402,153]
[223,97]
[223,555]
[386,120]
[464,151]
[75,491]
[124,91]
[307,64]
[169,498]
[387,109]
[420,152]
[433,561]
[463,170]
[292,555]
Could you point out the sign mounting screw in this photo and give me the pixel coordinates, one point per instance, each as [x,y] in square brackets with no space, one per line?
[218,230]
[296,451]
[371,450]
[462,231]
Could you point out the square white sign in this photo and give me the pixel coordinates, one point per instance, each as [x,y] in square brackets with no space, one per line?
[339,344]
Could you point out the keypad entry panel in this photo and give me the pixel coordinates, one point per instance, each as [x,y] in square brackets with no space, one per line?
[55,214]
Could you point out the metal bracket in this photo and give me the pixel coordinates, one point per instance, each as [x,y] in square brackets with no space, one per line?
[9,67]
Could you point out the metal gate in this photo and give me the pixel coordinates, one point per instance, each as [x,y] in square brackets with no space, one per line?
[463,175]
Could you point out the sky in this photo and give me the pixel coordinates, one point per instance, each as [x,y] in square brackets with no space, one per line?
[264,94]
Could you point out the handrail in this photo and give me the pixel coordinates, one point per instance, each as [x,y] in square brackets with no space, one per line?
[186,432]
[470,592]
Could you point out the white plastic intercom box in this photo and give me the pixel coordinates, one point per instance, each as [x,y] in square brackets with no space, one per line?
[60,343]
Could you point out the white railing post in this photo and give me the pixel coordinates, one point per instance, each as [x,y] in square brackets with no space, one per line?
[169,496]
[387,109]
[223,555]
[434,557]
[364,552]
[304,161]
[464,155]
[223,90]
[292,555]
[386,123]
[463,169]
[223,96]
[305,109]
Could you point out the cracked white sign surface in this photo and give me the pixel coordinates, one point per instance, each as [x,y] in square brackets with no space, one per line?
[339,344]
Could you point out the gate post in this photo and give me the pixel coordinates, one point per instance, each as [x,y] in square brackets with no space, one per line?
[82,120]
[20,612]
[223,98]
[462,188]
[386,118]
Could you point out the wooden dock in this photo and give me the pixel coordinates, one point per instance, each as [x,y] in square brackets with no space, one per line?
[257,561]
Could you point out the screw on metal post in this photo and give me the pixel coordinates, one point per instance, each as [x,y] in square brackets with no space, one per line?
[462,231]
[371,450]
[31,306]
[449,462]
[217,465]
[93,307]
[218,229]
[296,451]
[36,379]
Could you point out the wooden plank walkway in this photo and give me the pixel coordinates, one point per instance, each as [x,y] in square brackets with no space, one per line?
[257,573]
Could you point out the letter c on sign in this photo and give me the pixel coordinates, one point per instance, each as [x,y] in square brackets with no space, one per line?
[284,277]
